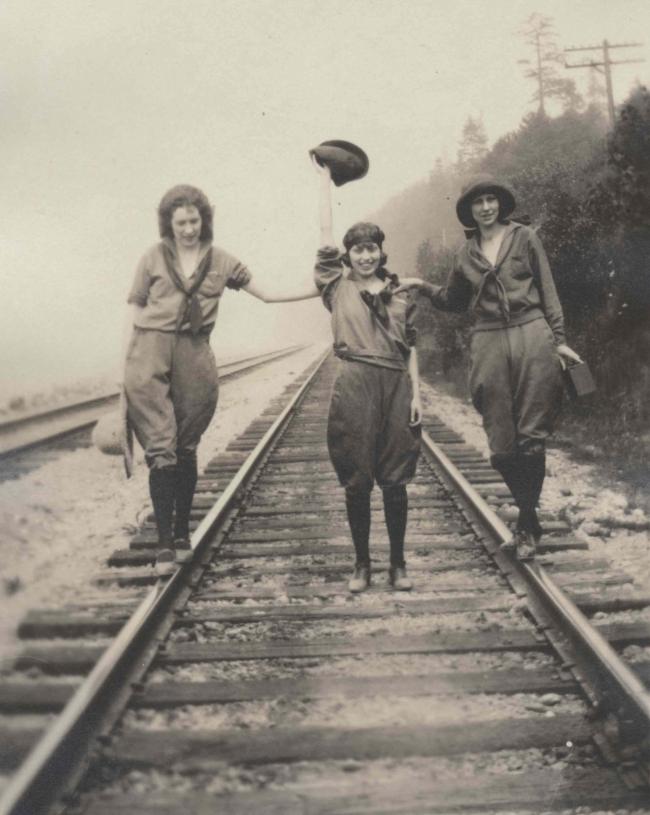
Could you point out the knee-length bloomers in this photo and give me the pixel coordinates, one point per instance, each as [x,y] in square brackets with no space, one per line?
[368,433]
[515,373]
[171,378]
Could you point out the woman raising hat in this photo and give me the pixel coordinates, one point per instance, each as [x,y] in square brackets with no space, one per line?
[171,380]
[375,411]
[501,273]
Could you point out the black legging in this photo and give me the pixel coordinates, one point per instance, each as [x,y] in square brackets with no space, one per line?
[395,513]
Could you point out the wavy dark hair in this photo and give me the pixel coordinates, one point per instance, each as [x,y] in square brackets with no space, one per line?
[184,195]
[364,232]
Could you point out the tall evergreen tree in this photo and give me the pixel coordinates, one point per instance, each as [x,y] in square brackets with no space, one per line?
[473,145]
[544,68]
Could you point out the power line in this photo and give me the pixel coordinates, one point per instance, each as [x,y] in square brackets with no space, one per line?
[606,65]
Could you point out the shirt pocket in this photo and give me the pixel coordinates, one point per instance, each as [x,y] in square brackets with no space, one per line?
[518,268]
[213,285]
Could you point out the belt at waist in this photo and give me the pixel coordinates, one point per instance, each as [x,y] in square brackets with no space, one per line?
[495,323]
[393,362]
[184,332]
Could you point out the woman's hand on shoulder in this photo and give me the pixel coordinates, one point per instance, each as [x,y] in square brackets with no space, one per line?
[567,354]
[406,283]
[239,278]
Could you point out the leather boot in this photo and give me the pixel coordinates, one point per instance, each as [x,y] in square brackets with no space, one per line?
[360,579]
[396,513]
[184,486]
[161,488]
[514,471]
[535,469]
[358,509]
[398,578]
[510,468]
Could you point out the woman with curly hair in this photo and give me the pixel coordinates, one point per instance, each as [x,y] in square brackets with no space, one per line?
[373,431]
[171,382]
[501,273]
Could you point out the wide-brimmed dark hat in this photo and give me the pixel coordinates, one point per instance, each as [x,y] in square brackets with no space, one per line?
[346,161]
[480,185]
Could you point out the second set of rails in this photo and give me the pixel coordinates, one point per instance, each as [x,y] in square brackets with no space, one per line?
[33,433]
[251,681]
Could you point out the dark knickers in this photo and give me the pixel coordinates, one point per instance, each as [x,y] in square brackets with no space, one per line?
[368,433]
[172,385]
[516,385]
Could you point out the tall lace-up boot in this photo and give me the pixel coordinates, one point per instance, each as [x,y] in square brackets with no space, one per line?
[513,470]
[396,513]
[534,464]
[161,488]
[184,487]
[358,510]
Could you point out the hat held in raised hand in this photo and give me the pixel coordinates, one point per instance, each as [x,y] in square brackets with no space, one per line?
[113,435]
[346,161]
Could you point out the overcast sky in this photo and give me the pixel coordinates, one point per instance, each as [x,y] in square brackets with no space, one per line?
[105,105]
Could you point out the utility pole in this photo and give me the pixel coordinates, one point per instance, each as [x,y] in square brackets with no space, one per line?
[606,66]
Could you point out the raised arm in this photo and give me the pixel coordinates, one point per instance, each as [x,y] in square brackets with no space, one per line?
[324,203]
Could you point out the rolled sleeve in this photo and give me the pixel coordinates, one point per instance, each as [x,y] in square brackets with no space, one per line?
[238,276]
[139,293]
[544,278]
[455,296]
[328,271]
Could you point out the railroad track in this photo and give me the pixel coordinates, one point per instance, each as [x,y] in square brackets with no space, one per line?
[251,681]
[27,441]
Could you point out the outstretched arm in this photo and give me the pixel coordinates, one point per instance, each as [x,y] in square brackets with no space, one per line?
[302,291]
[455,296]
[240,278]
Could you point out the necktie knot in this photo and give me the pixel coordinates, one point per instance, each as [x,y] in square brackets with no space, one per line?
[190,310]
[504,306]
[376,302]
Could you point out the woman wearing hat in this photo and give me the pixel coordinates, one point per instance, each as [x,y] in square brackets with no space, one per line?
[373,426]
[171,381]
[502,274]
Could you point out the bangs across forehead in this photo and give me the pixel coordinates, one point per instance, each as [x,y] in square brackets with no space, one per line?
[365,244]
[363,232]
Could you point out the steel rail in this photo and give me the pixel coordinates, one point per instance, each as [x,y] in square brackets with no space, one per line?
[55,761]
[613,685]
[255,359]
[95,406]
[49,413]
